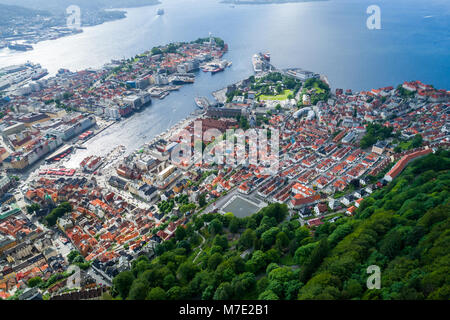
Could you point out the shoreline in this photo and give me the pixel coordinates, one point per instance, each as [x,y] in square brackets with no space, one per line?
[119,10]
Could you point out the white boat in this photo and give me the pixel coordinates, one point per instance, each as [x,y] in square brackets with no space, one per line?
[202,102]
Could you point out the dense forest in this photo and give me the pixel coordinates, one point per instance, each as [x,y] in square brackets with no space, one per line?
[403,228]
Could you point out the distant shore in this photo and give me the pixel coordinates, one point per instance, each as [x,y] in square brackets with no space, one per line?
[266,1]
[91,17]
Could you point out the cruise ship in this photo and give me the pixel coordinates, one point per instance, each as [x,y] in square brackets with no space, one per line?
[260,62]
[257,63]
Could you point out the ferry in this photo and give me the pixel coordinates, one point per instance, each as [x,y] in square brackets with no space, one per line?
[20,47]
[202,102]
[216,66]
[40,75]
[177,80]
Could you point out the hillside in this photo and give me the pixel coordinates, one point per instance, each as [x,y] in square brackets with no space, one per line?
[403,228]
[59,6]
[8,13]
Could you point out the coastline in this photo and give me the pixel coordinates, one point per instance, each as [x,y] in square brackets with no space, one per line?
[259,2]
[119,12]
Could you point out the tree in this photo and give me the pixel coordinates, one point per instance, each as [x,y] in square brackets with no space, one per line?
[271,267]
[223,292]
[187,207]
[234,225]
[268,295]
[352,289]
[303,252]
[202,200]
[180,233]
[282,241]
[156,51]
[34,282]
[391,244]
[242,284]
[72,255]
[186,271]
[33,208]
[221,241]
[58,212]
[268,237]
[122,283]
[291,289]
[208,293]
[281,274]
[138,290]
[417,141]
[185,245]
[215,226]
[272,255]
[247,239]
[214,260]
[317,255]
[169,281]
[156,294]
[257,262]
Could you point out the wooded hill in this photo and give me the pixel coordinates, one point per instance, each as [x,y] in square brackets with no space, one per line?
[403,228]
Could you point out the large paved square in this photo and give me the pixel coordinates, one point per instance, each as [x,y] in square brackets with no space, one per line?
[240,207]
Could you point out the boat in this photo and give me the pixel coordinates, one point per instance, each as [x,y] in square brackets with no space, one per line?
[257,63]
[163,95]
[40,75]
[202,102]
[261,62]
[20,47]
[216,66]
[177,80]
[160,12]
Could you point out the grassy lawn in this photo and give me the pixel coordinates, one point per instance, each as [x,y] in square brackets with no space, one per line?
[405,145]
[333,216]
[282,96]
